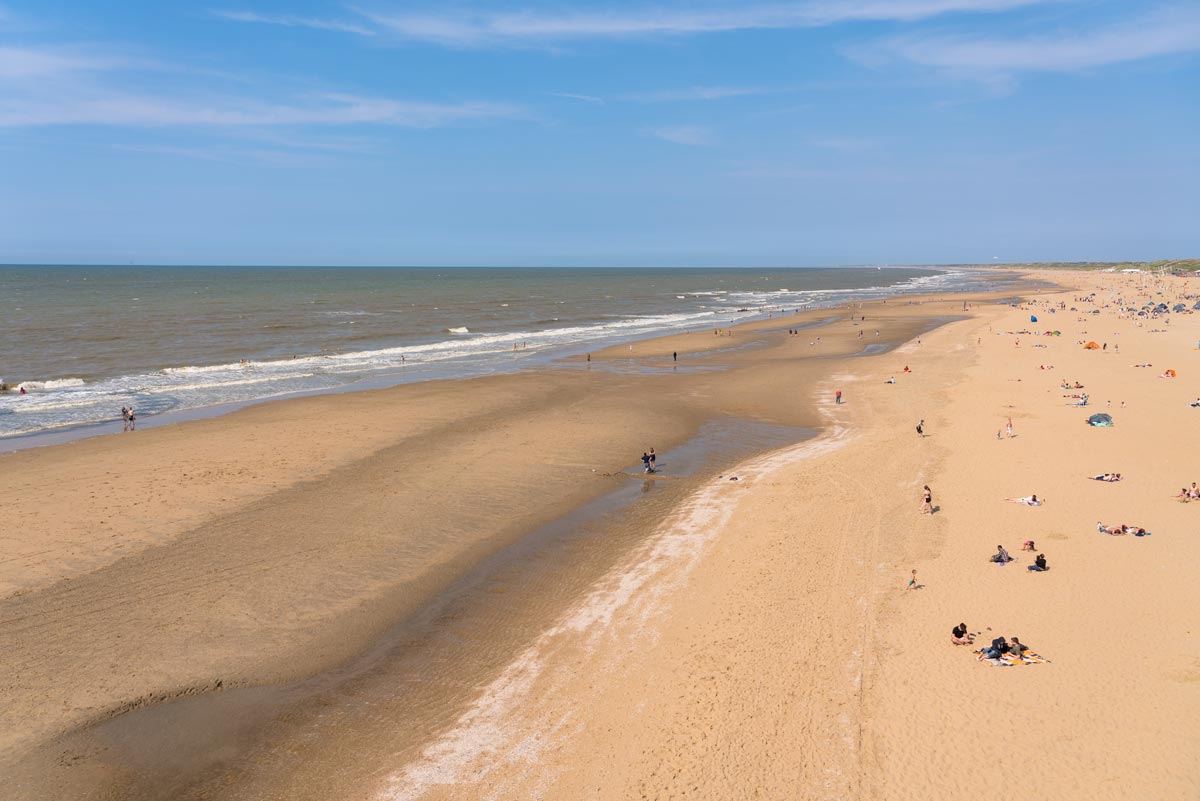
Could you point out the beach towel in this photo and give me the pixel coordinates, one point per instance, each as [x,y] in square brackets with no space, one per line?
[1027,658]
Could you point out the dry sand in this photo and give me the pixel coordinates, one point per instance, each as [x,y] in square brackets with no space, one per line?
[776,652]
[758,644]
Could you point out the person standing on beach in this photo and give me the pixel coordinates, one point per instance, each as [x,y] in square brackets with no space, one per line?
[674,355]
[1008,428]
[646,468]
[921,429]
[912,582]
[125,418]
[837,397]
[132,419]
[927,501]
[653,460]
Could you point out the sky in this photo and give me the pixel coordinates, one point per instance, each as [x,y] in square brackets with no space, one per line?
[624,133]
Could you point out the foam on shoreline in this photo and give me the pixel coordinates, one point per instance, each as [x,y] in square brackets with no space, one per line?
[499,729]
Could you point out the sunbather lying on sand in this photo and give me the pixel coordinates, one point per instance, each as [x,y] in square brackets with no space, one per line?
[1032,500]
[1147,364]
[1117,531]
[1107,477]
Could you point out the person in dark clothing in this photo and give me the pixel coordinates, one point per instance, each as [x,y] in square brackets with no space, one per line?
[1039,564]
[997,649]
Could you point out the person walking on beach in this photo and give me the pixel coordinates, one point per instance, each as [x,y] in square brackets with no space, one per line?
[1008,428]
[653,460]
[132,419]
[646,466]
[125,418]
[921,429]
[674,355]
[927,501]
[837,397]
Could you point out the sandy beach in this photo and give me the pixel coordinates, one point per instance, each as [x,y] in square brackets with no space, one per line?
[340,596]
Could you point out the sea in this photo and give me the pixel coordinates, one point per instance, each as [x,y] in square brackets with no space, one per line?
[83,341]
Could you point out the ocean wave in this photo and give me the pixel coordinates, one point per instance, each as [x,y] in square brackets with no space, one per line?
[71,401]
[58,383]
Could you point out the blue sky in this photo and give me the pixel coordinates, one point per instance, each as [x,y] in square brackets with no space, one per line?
[663,133]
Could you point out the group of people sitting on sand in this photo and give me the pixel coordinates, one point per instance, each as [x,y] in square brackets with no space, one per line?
[960,635]
[1067,385]
[1000,647]
[1191,493]
[1002,557]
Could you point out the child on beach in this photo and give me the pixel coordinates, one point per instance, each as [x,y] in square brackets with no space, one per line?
[912,582]
[927,501]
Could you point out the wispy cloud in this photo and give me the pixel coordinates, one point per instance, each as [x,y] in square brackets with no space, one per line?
[26,62]
[58,86]
[581,98]
[522,28]
[701,93]
[1167,32]
[690,135]
[132,110]
[293,21]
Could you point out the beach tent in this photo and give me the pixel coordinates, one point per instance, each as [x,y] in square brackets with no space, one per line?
[1101,420]
[1032,318]
[1091,346]
[1169,373]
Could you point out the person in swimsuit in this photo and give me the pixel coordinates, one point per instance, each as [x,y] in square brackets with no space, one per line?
[921,429]
[132,419]
[125,418]
[927,501]
[653,460]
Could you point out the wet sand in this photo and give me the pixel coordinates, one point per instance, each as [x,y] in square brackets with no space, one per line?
[298,546]
[776,651]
